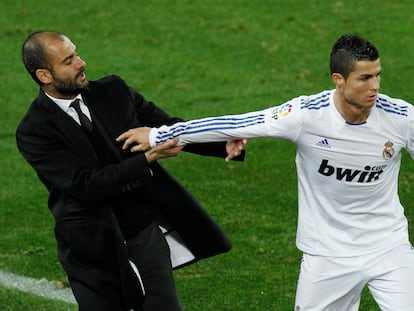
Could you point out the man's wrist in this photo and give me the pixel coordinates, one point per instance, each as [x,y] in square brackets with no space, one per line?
[151,136]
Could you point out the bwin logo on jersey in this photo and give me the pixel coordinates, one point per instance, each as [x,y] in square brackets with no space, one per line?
[367,175]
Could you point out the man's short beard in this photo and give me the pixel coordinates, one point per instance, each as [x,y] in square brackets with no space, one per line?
[67,88]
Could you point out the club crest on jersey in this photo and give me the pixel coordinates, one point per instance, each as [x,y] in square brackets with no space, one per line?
[388,151]
[281,111]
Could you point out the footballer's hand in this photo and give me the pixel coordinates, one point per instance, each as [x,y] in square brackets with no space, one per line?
[136,139]
[235,147]
[164,150]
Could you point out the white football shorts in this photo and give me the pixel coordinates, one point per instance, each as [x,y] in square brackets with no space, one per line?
[335,284]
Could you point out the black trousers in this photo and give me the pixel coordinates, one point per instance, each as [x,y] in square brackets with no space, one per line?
[150,253]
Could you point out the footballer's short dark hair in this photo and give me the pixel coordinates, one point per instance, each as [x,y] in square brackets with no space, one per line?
[349,49]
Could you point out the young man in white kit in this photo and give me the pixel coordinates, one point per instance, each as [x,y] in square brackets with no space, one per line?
[351,226]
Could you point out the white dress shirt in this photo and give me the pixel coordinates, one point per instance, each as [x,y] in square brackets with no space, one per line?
[64,104]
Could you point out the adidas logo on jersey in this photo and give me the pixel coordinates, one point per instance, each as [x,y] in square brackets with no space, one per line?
[323,143]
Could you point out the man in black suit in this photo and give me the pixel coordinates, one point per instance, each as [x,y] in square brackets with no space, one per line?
[109,204]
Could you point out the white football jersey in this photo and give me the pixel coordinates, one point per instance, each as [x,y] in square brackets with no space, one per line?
[347,173]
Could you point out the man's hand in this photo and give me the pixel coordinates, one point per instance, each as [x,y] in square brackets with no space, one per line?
[137,139]
[234,148]
[164,150]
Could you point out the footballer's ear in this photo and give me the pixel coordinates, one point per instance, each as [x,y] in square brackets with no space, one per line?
[338,79]
[44,76]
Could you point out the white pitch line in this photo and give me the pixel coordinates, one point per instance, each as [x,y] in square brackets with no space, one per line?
[42,287]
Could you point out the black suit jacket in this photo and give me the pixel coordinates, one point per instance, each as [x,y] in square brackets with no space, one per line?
[81,190]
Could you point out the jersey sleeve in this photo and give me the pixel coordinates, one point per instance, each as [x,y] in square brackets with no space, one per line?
[279,122]
[410,142]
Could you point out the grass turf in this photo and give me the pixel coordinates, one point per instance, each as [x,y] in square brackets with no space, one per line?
[194,59]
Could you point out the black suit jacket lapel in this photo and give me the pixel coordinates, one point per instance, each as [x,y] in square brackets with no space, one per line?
[100,106]
[104,105]
[66,125]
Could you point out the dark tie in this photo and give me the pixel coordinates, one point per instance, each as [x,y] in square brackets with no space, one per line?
[84,120]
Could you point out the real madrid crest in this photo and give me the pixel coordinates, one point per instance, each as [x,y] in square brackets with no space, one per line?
[388,151]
